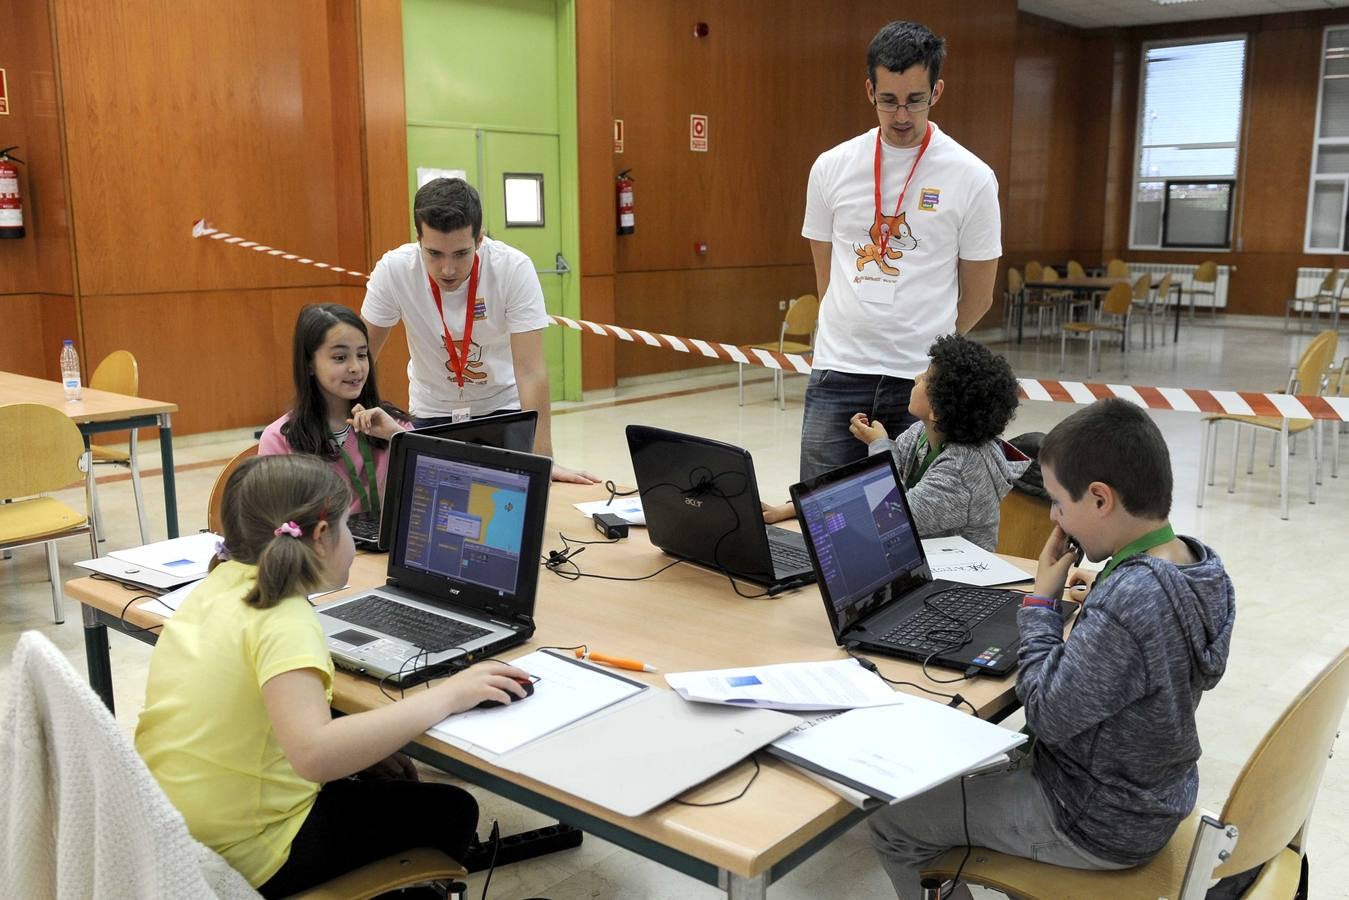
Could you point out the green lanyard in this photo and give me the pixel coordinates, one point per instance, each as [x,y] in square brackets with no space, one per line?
[369,499]
[1142,545]
[926,461]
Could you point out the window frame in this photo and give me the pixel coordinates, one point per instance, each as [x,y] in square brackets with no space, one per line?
[1317,142]
[1137,179]
[1166,211]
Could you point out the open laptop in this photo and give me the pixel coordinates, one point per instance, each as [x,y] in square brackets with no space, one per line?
[508,431]
[463,568]
[702,503]
[878,589]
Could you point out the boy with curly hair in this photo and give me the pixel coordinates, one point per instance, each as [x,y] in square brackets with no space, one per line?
[955,468]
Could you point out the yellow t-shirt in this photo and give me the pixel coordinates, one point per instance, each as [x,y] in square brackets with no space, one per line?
[204,731]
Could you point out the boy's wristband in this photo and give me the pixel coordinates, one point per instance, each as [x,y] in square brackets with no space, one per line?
[1036,600]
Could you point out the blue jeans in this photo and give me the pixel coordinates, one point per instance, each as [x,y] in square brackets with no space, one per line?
[832,398]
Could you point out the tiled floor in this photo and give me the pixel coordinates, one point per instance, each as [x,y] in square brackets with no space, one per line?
[1291,619]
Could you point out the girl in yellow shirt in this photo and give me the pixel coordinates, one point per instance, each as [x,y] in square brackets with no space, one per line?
[237,726]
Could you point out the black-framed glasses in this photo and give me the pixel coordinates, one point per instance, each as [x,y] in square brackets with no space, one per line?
[894,106]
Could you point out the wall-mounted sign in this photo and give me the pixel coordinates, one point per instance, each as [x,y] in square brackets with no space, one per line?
[618,135]
[4,94]
[425,174]
[698,133]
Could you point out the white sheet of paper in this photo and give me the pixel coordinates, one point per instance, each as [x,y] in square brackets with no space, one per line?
[168,604]
[189,556]
[567,690]
[956,559]
[629,509]
[897,751]
[831,684]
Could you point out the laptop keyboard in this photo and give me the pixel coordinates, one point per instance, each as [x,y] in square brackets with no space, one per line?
[786,550]
[364,527]
[957,610]
[427,630]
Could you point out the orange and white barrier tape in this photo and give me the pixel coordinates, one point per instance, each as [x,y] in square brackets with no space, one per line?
[1200,400]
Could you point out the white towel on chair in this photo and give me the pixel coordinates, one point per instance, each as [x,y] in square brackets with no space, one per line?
[80,814]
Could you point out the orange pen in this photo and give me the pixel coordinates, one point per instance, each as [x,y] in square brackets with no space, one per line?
[615,661]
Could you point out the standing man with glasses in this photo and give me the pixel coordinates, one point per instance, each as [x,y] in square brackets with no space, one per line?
[905,234]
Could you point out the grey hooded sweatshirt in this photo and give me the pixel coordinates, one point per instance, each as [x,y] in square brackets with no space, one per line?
[962,490]
[1112,707]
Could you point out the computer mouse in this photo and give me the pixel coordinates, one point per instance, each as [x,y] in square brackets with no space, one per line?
[523,682]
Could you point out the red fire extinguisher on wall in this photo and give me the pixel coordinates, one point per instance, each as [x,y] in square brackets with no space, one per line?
[11,207]
[627,222]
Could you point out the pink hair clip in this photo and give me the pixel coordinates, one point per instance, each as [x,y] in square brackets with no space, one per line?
[289,528]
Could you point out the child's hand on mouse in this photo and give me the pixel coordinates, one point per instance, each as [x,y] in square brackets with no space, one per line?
[485,681]
[866,430]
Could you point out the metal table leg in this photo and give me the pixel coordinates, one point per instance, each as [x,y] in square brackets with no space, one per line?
[166,463]
[96,655]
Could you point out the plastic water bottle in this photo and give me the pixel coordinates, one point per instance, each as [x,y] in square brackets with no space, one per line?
[70,370]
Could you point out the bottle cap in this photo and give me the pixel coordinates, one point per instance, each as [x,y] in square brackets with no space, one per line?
[69,341]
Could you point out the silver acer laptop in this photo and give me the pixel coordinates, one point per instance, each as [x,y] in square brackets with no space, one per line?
[463,565]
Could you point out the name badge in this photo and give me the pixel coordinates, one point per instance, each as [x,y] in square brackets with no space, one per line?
[462,414]
[875,290]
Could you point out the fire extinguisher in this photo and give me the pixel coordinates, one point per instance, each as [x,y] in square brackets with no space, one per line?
[627,223]
[11,207]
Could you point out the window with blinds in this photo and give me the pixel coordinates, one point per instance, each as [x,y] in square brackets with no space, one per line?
[1326,209]
[1189,130]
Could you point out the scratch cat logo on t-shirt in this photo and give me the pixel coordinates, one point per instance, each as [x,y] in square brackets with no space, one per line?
[900,239]
[476,370]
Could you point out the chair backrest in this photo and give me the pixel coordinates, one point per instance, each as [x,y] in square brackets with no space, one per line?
[43,450]
[1272,797]
[118,373]
[1327,288]
[1075,269]
[1023,524]
[1118,300]
[1034,271]
[1207,272]
[213,521]
[802,314]
[1164,288]
[1014,282]
[1047,274]
[1117,268]
[1142,287]
[1315,360]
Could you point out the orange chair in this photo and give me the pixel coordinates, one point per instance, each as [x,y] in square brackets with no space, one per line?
[1118,305]
[119,373]
[803,314]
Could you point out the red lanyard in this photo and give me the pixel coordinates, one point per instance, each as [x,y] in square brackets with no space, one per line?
[885,228]
[459,360]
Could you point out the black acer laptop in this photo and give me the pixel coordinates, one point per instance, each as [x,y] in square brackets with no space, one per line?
[506,431]
[701,503]
[463,569]
[878,590]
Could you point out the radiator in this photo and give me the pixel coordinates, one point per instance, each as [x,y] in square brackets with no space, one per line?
[1308,283]
[1184,274]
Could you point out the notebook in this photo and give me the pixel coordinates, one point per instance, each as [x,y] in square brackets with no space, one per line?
[702,503]
[463,566]
[508,431]
[877,585]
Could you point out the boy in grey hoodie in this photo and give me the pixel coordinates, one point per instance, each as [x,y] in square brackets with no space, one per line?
[955,467]
[1112,767]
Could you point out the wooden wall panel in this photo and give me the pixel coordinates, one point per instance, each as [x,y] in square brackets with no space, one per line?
[385,146]
[736,305]
[778,90]
[177,109]
[222,356]
[39,262]
[597,353]
[34,327]
[597,165]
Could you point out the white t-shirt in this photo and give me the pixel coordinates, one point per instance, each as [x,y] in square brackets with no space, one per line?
[880,316]
[509,301]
